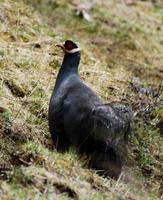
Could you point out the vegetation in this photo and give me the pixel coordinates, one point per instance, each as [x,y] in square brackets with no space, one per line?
[122,58]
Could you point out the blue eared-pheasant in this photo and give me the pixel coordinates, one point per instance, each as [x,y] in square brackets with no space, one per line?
[78,118]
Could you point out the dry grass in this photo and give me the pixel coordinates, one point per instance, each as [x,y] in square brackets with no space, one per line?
[121,43]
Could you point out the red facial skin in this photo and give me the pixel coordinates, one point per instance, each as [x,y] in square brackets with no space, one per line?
[67,46]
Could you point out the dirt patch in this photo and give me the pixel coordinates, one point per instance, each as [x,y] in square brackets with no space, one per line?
[15,89]
[67,190]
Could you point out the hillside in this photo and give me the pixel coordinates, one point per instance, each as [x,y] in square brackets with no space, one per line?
[122,60]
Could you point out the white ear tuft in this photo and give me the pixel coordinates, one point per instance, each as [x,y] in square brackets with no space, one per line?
[72,51]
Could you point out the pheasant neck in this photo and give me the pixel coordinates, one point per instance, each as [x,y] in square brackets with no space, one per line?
[69,66]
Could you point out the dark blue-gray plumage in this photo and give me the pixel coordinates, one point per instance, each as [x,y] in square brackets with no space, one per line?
[78,118]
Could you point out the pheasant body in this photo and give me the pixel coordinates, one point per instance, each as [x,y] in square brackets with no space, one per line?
[78,118]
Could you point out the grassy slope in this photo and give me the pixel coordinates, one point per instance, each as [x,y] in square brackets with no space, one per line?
[120,43]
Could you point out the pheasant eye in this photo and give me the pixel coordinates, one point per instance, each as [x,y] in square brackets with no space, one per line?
[69,46]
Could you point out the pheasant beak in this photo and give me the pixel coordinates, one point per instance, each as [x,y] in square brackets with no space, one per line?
[61,46]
